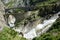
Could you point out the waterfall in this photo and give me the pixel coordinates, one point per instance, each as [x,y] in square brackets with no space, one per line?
[31,32]
[41,28]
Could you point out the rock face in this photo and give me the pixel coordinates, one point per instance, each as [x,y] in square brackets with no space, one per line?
[16,3]
[11,20]
[2,21]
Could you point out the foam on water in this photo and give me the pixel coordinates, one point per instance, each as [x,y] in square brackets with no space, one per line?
[44,26]
[48,23]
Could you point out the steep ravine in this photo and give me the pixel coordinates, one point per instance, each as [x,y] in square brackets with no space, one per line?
[29,31]
[40,28]
[29,23]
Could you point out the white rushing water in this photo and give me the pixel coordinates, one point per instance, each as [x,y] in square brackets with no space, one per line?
[36,31]
[39,29]
[45,26]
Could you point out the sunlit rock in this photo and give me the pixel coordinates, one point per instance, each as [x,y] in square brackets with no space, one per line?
[11,20]
[1,28]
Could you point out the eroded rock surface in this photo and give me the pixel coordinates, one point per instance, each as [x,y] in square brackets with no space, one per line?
[2,21]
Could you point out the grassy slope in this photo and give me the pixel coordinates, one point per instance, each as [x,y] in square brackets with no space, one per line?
[9,34]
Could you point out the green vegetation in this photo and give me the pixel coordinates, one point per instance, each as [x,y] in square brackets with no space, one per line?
[54,32]
[46,8]
[47,3]
[49,36]
[56,25]
[31,18]
[9,34]
[10,4]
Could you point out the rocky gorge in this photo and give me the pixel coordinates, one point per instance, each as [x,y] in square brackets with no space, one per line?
[30,22]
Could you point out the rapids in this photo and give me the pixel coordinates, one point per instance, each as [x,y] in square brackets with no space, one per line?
[40,28]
